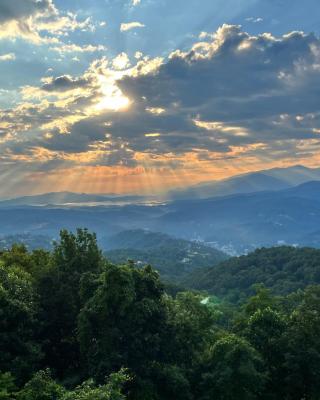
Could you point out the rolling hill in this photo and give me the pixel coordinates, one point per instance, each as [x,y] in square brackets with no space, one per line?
[282,269]
[173,258]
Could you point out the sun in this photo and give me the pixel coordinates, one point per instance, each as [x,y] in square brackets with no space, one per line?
[114,103]
[112,97]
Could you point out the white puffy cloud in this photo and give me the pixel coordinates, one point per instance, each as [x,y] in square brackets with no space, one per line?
[120,62]
[127,26]
[7,57]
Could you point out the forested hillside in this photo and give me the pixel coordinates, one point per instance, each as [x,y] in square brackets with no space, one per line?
[74,326]
[173,258]
[30,241]
[281,269]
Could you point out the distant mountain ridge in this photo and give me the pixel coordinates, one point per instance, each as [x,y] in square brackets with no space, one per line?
[60,198]
[249,220]
[266,180]
[173,258]
[238,222]
[234,223]
[140,239]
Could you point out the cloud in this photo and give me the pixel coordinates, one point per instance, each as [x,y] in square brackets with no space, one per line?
[254,20]
[120,62]
[7,57]
[18,9]
[138,55]
[28,19]
[257,78]
[124,27]
[64,83]
[74,48]
[136,2]
[232,96]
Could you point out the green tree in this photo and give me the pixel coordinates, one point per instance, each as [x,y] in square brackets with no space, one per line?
[7,386]
[59,289]
[190,328]
[261,300]
[303,356]
[112,390]
[169,382]
[265,331]
[18,308]
[18,255]
[122,324]
[41,387]
[232,370]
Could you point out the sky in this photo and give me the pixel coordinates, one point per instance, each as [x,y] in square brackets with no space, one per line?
[142,96]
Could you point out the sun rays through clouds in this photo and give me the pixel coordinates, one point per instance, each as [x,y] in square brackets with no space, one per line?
[102,116]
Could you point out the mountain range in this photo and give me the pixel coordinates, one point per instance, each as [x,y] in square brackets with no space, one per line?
[69,198]
[248,221]
[266,180]
[283,209]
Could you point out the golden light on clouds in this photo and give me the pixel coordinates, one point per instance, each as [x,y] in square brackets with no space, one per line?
[222,127]
[123,121]
[114,100]
[112,97]
[156,110]
[155,134]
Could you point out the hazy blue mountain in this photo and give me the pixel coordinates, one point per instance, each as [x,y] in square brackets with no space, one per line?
[268,180]
[140,239]
[308,190]
[248,221]
[295,175]
[234,224]
[173,258]
[60,198]
[102,220]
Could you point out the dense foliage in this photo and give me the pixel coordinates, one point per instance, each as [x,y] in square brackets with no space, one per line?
[73,326]
[282,269]
[173,258]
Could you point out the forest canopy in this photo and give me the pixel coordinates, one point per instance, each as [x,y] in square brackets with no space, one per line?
[74,326]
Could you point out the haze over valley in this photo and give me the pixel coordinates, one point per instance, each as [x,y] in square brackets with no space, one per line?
[266,208]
